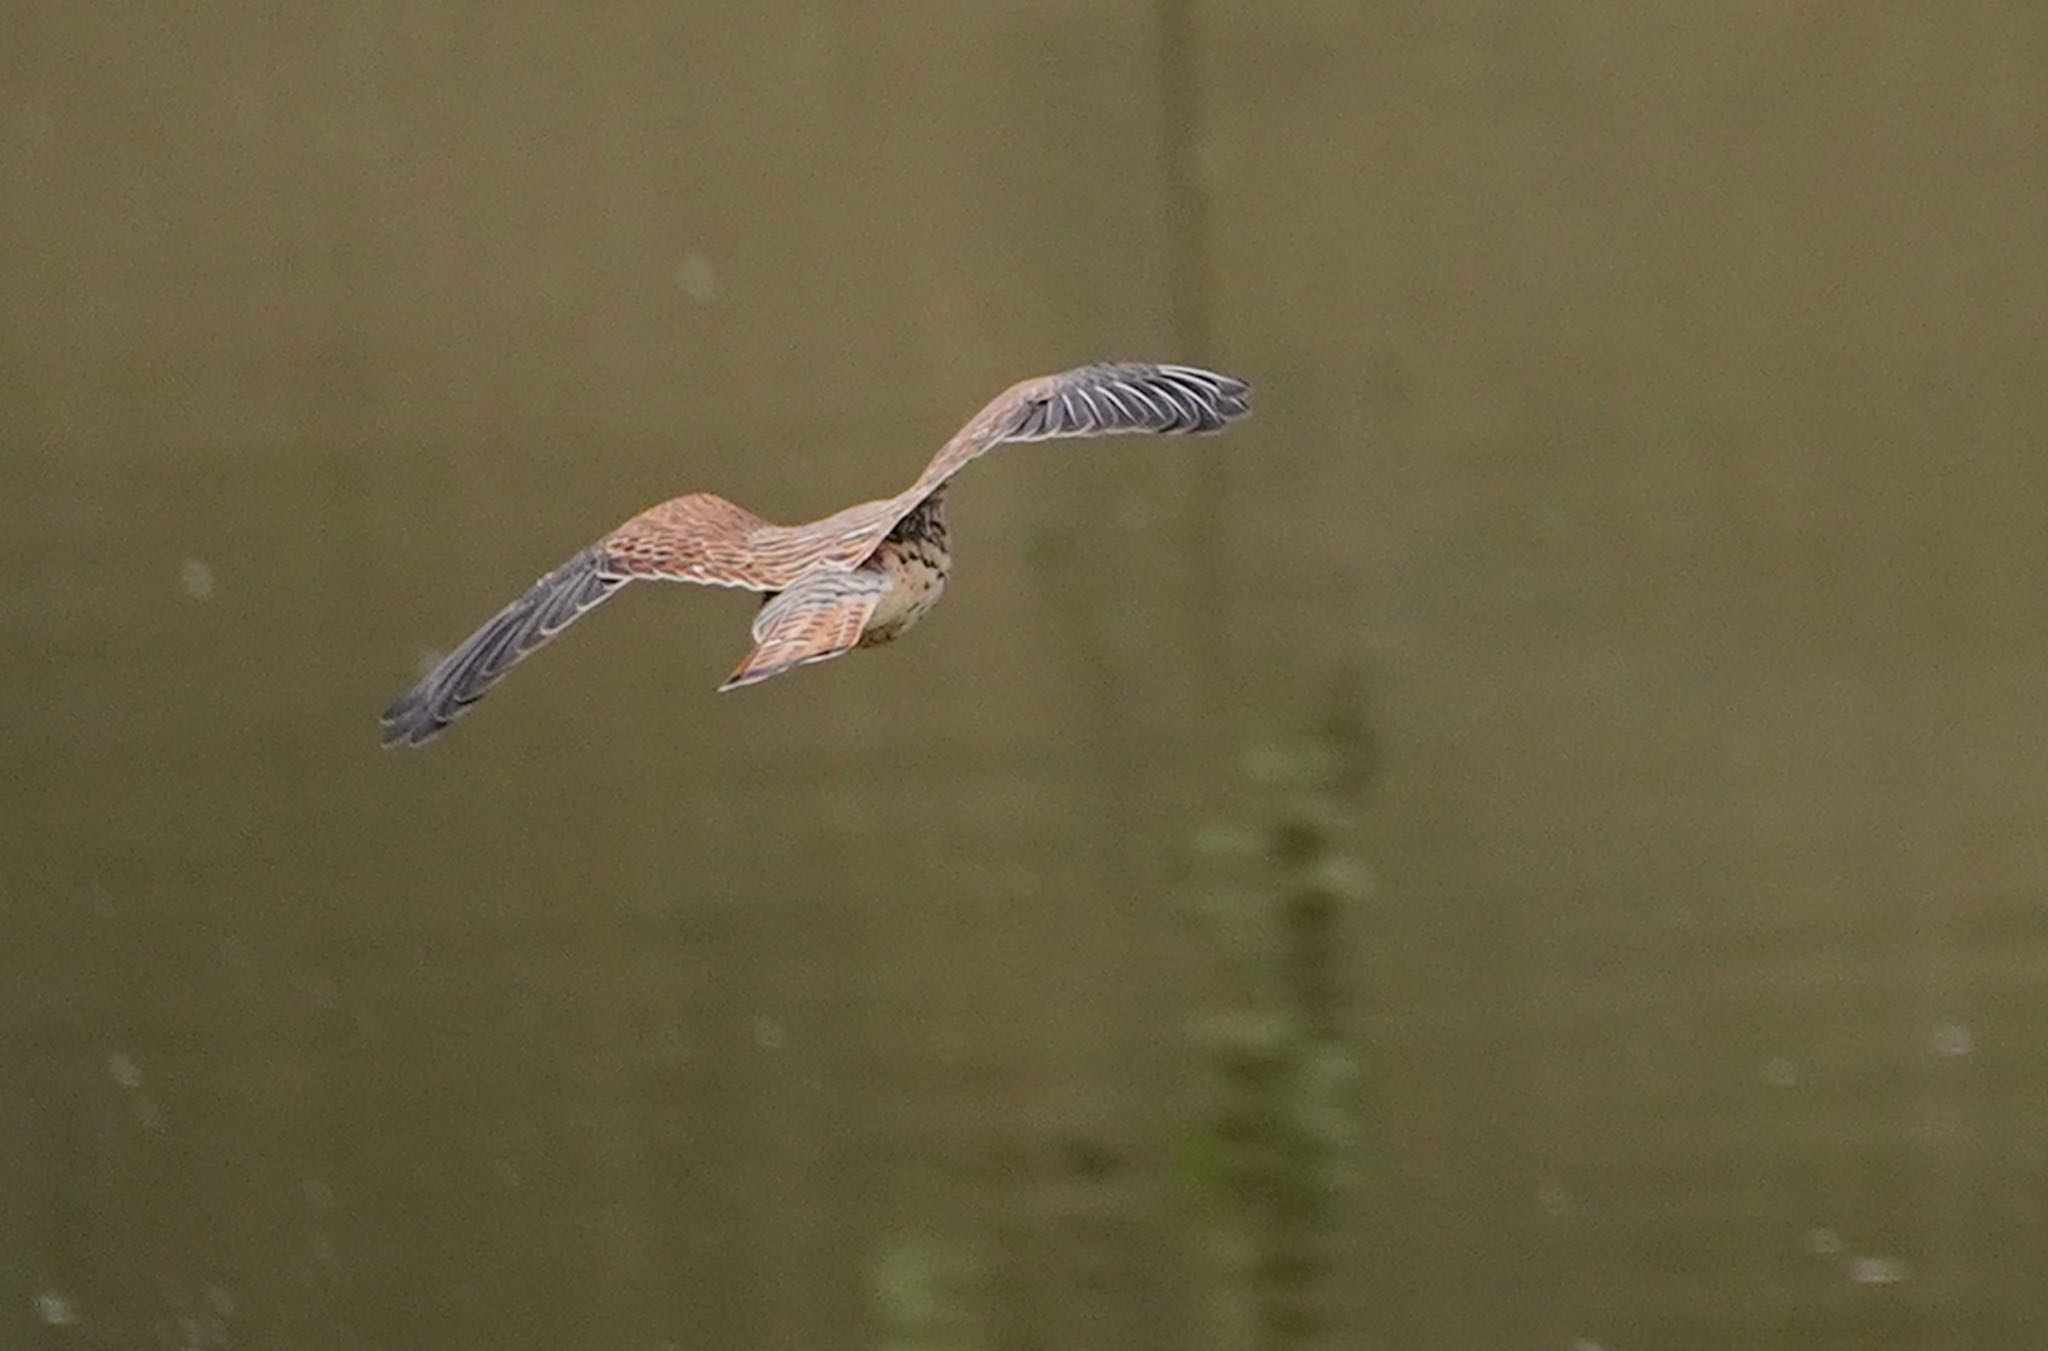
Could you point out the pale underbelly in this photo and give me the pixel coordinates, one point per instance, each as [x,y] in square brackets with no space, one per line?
[916,581]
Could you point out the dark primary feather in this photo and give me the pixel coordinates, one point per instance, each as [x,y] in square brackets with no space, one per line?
[550,606]
[1100,400]
[1131,397]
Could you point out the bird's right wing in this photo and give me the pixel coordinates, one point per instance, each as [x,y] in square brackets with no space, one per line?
[1106,399]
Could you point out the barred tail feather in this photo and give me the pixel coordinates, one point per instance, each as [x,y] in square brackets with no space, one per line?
[551,605]
[819,618]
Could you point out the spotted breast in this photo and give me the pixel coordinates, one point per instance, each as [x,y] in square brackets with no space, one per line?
[915,559]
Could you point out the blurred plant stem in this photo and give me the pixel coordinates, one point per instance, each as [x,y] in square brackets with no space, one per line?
[927,1279]
[1274,885]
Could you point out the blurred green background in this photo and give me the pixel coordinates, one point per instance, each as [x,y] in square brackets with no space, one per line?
[1535,840]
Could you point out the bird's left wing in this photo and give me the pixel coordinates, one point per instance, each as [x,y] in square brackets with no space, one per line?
[700,538]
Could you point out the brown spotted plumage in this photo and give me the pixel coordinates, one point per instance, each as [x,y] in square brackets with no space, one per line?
[858,578]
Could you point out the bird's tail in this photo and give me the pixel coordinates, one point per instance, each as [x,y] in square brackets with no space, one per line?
[549,606]
[819,618]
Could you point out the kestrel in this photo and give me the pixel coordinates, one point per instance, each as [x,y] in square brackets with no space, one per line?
[858,578]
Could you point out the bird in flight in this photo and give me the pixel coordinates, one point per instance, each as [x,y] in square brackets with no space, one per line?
[858,578]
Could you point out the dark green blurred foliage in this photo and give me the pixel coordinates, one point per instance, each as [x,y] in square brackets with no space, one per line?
[1277,891]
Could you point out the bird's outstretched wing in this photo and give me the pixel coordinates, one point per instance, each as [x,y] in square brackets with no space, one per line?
[819,618]
[704,538]
[549,606]
[1106,399]
[1100,400]
[700,538]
